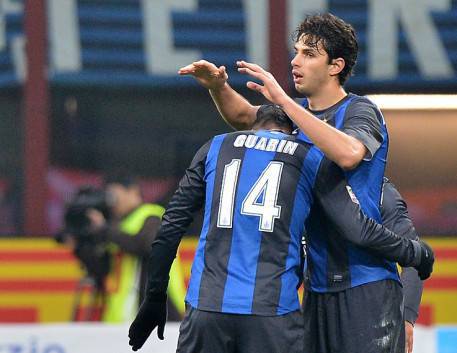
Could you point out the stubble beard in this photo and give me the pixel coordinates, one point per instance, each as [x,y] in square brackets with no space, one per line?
[303,90]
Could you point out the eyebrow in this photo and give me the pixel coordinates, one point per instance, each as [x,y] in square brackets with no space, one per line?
[306,50]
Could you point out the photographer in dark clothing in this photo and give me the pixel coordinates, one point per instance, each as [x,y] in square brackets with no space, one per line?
[123,228]
[130,234]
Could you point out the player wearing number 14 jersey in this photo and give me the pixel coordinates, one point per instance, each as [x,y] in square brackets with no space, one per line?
[257,188]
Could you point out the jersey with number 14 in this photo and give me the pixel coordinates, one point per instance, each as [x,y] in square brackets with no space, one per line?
[258,194]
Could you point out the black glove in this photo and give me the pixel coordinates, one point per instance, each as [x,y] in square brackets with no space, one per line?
[427,258]
[152,313]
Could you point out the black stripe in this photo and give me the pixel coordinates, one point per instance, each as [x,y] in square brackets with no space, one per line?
[218,240]
[318,225]
[274,246]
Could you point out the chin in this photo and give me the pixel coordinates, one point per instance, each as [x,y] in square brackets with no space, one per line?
[302,90]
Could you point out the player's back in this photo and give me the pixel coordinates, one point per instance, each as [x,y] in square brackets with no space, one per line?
[258,194]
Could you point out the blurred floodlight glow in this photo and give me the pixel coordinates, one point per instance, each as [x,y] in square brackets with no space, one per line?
[415,101]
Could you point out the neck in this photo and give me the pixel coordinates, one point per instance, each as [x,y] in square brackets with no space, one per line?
[272,127]
[326,97]
[280,130]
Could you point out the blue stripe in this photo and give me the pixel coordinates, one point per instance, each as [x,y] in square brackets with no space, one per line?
[340,113]
[366,183]
[246,239]
[312,162]
[199,259]
[288,300]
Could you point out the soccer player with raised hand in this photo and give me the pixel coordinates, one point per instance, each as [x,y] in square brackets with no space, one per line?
[350,130]
[257,188]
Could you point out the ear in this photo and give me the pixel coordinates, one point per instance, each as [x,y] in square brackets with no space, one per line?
[336,66]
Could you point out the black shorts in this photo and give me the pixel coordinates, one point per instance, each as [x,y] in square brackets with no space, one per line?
[363,319]
[213,332]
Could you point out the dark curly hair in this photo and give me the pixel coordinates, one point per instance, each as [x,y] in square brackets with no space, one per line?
[272,113]
[337,37]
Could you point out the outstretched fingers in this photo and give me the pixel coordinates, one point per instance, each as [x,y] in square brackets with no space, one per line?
[197,65]
[203,63]
[250,72]
[250,66]
[187,70]
[254,86]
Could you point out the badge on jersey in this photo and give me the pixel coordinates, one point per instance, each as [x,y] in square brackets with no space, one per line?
[352,195]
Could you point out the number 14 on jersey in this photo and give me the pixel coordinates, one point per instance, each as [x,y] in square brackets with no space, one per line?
[260,201]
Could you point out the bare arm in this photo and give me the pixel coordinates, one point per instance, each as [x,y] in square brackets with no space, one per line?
[234,108]
[344,150]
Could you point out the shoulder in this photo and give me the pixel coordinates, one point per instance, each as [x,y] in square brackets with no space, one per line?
[357,101]
[231,135]
[217,140]
[363,108]
[392,202]
[313,158]
[390,194]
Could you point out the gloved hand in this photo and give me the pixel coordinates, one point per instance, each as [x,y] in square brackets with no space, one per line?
[152,314]
[427,258]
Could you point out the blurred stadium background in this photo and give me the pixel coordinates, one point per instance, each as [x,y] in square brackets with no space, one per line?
[90,86]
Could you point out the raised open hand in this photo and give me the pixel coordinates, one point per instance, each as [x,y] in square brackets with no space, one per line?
[206,73]
[270,88]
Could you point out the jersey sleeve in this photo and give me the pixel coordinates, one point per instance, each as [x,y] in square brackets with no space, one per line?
[395,216]
[342,208]
[364,122]
[188,198]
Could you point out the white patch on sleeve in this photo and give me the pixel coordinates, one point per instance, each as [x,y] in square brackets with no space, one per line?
[352,195]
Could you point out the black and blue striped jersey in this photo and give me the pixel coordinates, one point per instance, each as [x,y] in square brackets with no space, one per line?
[257,188]
[335,265]
[258,192]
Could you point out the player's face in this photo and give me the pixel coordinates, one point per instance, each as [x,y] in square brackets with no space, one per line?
[310,68]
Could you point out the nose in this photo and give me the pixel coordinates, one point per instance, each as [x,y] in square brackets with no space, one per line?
[293,62]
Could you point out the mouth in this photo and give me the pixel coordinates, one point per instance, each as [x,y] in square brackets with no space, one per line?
[297,76]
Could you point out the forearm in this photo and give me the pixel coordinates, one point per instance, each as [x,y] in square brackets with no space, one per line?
[234,108]
[350,221]
[412,289]
[344,150]
[386,244]
[412,285]
[163,252]
[175,222]
[365,232]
